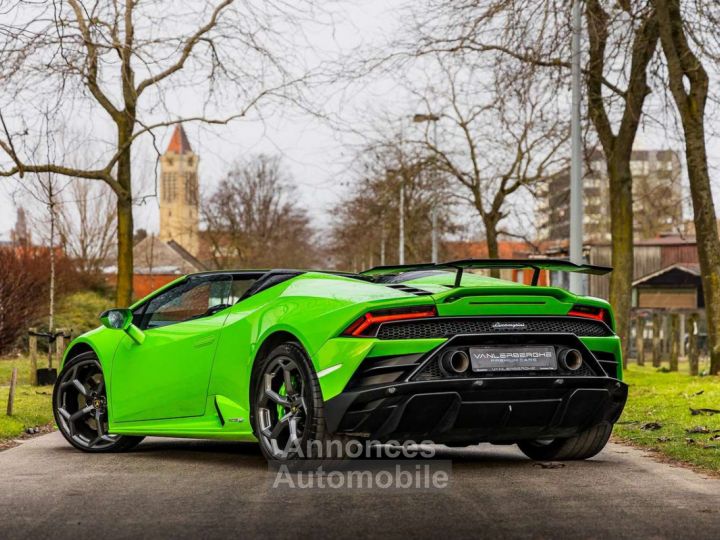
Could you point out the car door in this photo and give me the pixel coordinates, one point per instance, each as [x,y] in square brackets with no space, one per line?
[167,375]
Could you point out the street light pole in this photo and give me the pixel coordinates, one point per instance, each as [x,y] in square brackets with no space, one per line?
[434,118]
[382,246]
[433,215]
[401,240]
[576,186]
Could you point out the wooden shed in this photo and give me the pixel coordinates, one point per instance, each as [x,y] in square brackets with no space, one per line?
[677,286]
[651,256]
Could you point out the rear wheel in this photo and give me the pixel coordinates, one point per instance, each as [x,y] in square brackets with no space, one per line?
[287,408]
[583,446]
[81,410]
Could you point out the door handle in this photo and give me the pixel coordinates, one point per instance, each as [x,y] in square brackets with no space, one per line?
[204,342]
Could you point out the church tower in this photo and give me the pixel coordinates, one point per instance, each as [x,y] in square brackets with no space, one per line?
[179,219]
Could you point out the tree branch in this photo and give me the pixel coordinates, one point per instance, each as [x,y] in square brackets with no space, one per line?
[187,49]
[92,61]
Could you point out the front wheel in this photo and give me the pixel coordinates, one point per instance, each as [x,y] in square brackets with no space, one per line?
[582,446]
[81,410]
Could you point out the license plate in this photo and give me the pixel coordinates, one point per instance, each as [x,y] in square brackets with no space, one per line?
[512,358]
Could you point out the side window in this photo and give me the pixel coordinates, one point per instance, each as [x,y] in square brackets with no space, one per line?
[228,292]
[192,299]
[182,303]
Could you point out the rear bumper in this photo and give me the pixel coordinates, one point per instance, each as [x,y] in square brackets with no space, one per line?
[498,409]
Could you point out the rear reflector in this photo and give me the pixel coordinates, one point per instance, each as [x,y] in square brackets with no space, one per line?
[366,325]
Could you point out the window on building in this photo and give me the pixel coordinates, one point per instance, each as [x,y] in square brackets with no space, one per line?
[191,188]
[169,186]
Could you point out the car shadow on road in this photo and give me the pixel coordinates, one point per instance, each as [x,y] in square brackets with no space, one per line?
[209,452]
[247,455]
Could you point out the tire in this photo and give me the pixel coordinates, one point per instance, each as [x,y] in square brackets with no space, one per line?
[287,414]
[80,407]
[583,446]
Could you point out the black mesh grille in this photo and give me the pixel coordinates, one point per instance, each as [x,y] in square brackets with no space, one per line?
[453,326]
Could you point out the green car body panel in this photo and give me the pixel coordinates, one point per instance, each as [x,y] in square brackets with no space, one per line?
[192,378]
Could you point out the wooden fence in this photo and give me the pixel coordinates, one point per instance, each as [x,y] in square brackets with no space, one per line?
[666,336]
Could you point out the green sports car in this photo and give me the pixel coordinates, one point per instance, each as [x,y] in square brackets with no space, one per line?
[290,358]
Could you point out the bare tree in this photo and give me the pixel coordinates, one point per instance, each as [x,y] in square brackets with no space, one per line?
[366,222]
[683,31]
[22,291]
[115,63]
[87,225]
[24,287]
[46,191]
[639,21]
[253,219]
[623,39]
[493,139]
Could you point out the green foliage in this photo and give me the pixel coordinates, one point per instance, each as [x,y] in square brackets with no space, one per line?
[659,415]
[80,311]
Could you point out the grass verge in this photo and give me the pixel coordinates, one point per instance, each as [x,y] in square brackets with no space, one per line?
[32,409]
[32,403]
[23,365]
[673,414]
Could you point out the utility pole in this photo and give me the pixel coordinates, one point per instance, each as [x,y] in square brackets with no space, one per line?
[401,240]
[576,187]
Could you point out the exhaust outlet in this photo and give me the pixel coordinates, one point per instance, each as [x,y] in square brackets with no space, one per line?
[570,359]
[455,362]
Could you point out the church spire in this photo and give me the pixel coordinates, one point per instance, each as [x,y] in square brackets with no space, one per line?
[179,211]
[179,143]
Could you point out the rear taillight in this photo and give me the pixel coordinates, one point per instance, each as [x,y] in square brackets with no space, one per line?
[366,325]
[591,312]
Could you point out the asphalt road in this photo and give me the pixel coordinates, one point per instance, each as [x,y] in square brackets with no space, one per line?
[180,489]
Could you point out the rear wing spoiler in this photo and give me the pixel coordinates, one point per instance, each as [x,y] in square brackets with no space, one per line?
[555,265]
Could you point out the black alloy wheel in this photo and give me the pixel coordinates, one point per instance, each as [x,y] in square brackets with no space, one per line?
[81,410]
[287,413]
[282,410]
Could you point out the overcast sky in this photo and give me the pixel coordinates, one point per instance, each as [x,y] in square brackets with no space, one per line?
[318,157]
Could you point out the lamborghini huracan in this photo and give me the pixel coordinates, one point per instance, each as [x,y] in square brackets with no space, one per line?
[427,352]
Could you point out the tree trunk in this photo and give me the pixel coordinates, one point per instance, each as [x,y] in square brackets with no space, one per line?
[53,216]
[706,233]
[491,237]
[621,229]
[688,82]
[618,146]
[124,291]
[123,294]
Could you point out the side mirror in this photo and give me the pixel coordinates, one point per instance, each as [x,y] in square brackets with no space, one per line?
[122,319]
